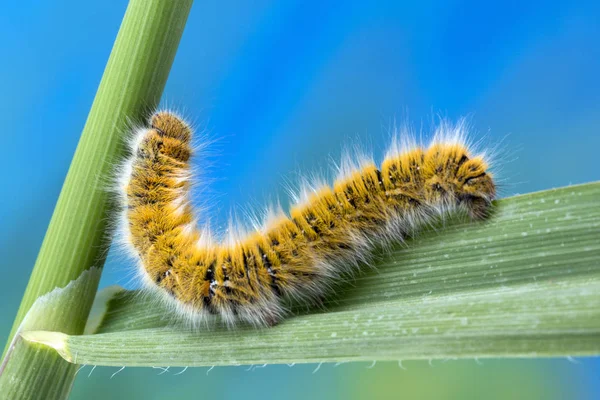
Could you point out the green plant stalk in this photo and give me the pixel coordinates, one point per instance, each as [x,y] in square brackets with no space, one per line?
[525,283]
[77,237]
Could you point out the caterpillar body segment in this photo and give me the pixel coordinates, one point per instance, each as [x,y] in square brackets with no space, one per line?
[330,232]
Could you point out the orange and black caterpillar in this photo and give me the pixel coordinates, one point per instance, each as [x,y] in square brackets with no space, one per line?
[330,231]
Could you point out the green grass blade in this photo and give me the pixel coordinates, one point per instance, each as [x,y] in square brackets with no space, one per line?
[76,239]
[526,283]
[47,312]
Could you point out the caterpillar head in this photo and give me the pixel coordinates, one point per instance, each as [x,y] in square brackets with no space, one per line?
[475,187]
[170,136]
[453,176]
[170,125]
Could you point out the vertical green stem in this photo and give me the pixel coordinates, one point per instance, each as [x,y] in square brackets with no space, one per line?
[76,239]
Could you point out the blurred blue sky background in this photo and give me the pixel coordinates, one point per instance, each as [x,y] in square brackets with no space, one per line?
[283,86]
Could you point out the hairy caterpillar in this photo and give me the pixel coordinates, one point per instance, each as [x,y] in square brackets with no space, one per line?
[297,256]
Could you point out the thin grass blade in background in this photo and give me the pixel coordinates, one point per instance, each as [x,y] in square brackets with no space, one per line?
[76,239]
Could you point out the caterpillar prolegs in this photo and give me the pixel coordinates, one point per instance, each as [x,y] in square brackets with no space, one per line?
[296,256]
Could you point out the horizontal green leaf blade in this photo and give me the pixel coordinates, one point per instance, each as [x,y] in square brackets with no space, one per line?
[526,283]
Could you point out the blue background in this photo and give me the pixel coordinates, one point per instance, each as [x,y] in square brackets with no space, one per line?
[282,86]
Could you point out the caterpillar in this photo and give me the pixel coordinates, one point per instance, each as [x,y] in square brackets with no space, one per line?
[329,232]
